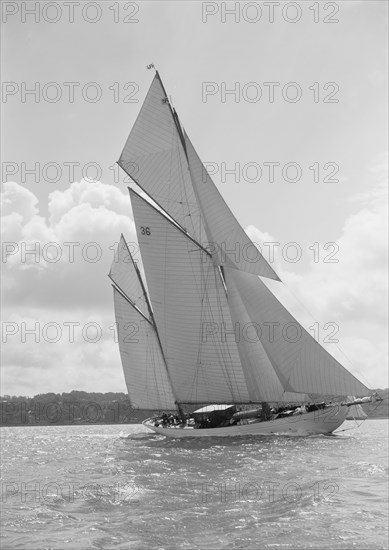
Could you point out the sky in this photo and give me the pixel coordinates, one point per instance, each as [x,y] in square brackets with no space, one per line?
[324,132]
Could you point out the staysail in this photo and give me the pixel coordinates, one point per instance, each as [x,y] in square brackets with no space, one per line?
[190,309]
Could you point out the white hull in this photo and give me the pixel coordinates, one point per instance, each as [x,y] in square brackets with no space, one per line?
[317,422]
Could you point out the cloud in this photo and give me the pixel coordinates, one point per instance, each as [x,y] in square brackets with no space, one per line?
[60,351]
[351,292]
[61,286]
[62,260]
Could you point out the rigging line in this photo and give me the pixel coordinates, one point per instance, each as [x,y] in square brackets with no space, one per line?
[345,372]
[202,292]
[226,206]
[206,306]
[218,344]
[224,351]
[217,277]
[153,364]
[317,342]
[175,202]
[187,202]
[168,218]
[256,384]
[162,209]
[116,287]
[157,332]
[196,374]
[140,279]
[173,112]
[358,425]
[220,351]
[175,151]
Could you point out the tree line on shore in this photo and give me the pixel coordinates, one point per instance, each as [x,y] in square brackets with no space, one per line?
[80,407]
[76,407]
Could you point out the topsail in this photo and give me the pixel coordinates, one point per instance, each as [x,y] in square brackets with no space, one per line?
[154,158]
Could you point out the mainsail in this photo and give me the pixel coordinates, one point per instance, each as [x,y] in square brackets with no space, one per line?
[210,330]
[190,307]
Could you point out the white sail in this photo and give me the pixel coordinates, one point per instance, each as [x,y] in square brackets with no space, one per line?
[229,243]
[262,381]
[301,364]
[215,333]
[355,412]
[154,158]
[190,309]
[143,364]
[124,273]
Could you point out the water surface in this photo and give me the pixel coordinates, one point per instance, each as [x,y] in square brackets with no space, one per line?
[118,486]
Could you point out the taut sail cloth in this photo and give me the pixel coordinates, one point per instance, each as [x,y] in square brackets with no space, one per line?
[190,307]
[143,363]
[229,243]
[163,162]
[144,366]
[301,363]
[154,158]
[211,331]
[355,412]
[125,274]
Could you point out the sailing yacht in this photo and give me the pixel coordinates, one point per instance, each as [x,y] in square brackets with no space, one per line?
[200,334]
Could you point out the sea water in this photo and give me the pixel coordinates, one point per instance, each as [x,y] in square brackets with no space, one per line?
[121,486]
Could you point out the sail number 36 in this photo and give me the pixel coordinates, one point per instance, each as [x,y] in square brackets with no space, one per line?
[145,231]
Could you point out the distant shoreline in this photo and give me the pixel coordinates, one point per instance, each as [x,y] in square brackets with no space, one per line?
[80,408]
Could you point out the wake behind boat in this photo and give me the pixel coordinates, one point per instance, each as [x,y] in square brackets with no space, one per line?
[203,329]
